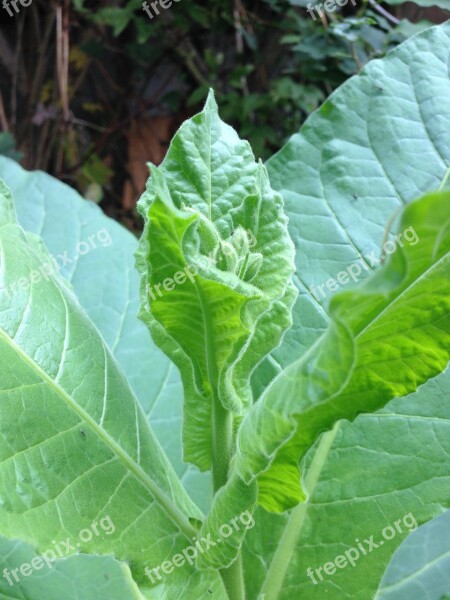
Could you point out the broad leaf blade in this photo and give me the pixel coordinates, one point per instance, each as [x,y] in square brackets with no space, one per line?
[378,469]
[420,568]
[82,576]
[95,254]
[74,443]
[378,142]
[106,284]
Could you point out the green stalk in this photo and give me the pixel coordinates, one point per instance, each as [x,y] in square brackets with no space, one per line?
[288,542]
[222,446]
[233,579]
[222,450]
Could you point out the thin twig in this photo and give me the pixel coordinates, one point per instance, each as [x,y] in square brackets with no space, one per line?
[384,12]
[87,124]
[15,74]
[62,55]
[359,66]
[39,74]
[238,14]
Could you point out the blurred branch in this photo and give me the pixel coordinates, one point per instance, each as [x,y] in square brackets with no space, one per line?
[238,14]
[62,54]
[84,123]
[186,50]
[387,15]
[39,74]
[16,69]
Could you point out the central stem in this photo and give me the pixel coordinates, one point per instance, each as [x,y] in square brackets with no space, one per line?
[233,579]
[222,444]
[222,451]
[222,419]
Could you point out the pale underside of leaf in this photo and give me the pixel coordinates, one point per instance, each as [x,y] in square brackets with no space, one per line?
[75,444]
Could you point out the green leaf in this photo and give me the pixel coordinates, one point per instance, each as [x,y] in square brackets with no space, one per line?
[387,337]
[216,251]
[82,427]
[79,5]
[82,576]
[420,567]
[378,142]
[106,284]
[95,254]
[118,18]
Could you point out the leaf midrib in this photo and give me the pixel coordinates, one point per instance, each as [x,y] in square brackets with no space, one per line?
[171,509]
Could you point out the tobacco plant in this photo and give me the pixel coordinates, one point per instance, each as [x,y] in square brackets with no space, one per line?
[304,423]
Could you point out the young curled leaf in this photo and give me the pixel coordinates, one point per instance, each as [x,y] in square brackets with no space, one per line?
[216,262]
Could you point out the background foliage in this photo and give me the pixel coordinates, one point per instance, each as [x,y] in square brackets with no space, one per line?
[93,118]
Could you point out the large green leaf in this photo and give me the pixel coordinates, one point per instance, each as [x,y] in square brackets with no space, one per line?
[216,263]
[84,577]
[95,254]
[387,337]
[420,568]
[75,442]
[380,141]
[106,284]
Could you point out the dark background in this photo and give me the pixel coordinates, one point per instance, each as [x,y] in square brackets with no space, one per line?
[90,91]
